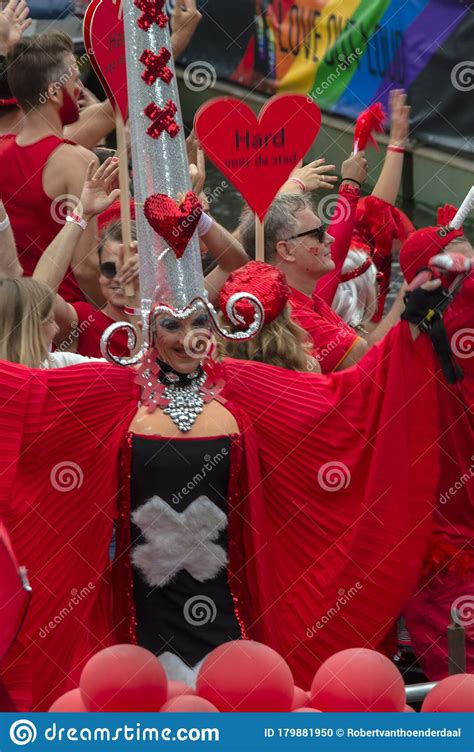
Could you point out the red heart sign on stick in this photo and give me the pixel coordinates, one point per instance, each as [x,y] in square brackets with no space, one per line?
[258,155]
[174,222]
[104,40]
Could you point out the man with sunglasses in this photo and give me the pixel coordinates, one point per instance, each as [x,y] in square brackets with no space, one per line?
[298,243]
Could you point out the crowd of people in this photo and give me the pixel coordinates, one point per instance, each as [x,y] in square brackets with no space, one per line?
[266,479]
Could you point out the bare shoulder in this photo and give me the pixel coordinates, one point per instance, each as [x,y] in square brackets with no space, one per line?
[72,155]
[66,167]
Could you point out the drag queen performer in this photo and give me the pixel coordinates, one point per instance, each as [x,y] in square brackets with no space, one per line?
[250,499]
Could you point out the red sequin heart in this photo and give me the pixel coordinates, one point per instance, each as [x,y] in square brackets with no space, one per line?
[174,222]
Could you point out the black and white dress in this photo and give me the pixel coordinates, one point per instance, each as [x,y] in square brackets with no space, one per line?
[179,549]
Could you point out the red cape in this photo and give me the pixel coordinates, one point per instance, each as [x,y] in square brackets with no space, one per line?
[339,563]
[449,570]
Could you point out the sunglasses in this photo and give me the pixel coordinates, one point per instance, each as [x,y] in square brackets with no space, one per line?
[318,233]
[108,269]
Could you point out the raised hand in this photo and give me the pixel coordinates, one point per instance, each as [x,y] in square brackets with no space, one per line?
[355,168]
[13,22]
[315,175]
[100,188]
[399,117]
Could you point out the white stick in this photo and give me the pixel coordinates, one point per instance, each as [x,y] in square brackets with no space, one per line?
[465,208]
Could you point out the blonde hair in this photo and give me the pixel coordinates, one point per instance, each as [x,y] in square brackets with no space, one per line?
[25,304]
[281,343]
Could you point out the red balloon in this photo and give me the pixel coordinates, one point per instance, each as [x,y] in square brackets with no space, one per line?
[455,694]
[70,702]
[409,709]
[179,688]
[358,680]
[300,699]
[188,704]
[123,678]
[246,677]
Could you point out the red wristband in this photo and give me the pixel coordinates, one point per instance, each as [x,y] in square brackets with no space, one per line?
[396,149]
[299,182]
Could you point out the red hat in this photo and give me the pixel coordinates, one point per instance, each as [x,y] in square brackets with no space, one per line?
[112,214]
[267,283]
[416,252]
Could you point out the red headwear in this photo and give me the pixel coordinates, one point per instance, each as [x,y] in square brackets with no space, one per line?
[378,224]
[421,246]
[266,282]
[111,214]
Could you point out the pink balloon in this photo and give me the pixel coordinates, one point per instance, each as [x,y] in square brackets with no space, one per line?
[306,710]
[247,677]
[300,699]
[123,678]
[455,694]
[178,688]
[358,680]
[70,702]
[188,704]
[409,709]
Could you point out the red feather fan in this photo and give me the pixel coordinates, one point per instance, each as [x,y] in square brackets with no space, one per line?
[370,120]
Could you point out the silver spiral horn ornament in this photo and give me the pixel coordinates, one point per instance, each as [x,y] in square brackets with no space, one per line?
[237,319]
[105,343]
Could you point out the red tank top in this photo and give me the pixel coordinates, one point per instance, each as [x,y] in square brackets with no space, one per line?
[35,218]
[91,324]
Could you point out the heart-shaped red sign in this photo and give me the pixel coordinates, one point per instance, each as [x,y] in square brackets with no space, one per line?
[174,222]
[257,156]
[105,45]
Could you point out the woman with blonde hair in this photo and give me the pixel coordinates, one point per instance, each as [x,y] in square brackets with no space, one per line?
[281,342]
[28,326]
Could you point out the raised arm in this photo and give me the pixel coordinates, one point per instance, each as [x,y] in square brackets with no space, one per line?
[95,122]
[354,173]
[388,184]
[184,22]
[97,194]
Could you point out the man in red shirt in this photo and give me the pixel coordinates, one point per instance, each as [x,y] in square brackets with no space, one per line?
[297,243]
[42,174]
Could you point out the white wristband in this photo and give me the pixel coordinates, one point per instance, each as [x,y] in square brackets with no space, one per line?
[5,223]
[77,220]
[205,223]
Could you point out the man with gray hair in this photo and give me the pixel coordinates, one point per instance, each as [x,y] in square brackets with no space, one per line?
[296,241]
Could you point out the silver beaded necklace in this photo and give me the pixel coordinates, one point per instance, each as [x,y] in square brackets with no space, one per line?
[185,400]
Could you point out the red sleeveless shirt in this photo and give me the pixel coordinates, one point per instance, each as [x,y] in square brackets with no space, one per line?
[35,218]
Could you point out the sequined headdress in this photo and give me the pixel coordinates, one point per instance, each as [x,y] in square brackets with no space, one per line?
[171,277]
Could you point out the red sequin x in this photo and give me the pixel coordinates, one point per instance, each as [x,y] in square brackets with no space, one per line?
[156,66]
[163,120]
[152,12]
